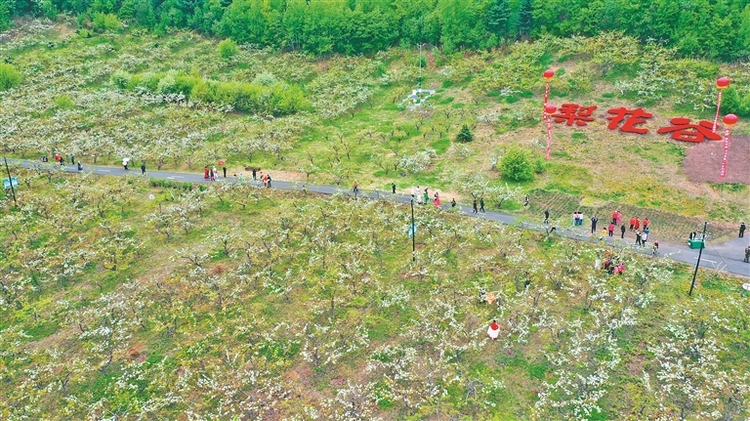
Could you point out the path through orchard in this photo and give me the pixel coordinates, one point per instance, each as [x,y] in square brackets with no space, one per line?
[727,256]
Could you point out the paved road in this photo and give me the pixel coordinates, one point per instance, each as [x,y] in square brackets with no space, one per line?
[726,256]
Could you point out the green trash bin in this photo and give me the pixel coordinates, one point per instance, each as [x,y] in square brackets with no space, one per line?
[696,243]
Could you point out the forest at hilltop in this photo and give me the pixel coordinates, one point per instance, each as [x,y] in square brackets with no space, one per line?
[698,28]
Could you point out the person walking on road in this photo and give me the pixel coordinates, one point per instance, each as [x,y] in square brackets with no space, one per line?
[225,171]
[742,229]
[453,202]
[594,220]
[125,163]
[393,188]
[474,206]
[611,229]
[481,204]
[143,168]
[80,167]
[622,231]
[638,241]
[355,189]
[747,254]
[546,216]
[254,174]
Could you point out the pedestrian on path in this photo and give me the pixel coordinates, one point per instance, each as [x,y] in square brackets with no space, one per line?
[747,254]
[645,223]
[742,229]
[143,168]
[655,248]
[393,188]
[453,202]
[594,220]
[80,167]
[632,223]
[622,231]
[638,241]
[72,159]
[474,205]
[125,163]
[546,215]
[526,201]
[254,174]
[611,229]
[637,223]
[225,171]
[205,172]
[355,189]
[216,174]
[481,204]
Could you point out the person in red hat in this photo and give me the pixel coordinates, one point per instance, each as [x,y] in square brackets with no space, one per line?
[494,330]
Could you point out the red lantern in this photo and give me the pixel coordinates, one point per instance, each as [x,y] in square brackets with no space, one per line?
[549,108]
[730,120]
[548,74]
[221,162]
[722,82]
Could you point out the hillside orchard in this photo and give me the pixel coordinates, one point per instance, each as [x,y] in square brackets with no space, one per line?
[234,302]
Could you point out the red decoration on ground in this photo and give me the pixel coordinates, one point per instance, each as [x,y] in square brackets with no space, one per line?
[681,129]
[549,108]
[722,82]
[574,113]
[221,162]
[634,117]
[548,74]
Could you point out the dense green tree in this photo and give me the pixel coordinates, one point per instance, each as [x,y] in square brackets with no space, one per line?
[525,19]
[498,17]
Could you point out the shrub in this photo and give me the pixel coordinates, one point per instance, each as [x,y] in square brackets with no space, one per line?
[517,165]
[9,76]
[167,85]
[465,134]
[106,22]
[121,79]
[228,49]
[265,79]
[64,102]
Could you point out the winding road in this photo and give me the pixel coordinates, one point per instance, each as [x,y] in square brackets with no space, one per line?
[726,257]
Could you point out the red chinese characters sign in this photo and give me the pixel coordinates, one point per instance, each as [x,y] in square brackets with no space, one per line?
[632,121]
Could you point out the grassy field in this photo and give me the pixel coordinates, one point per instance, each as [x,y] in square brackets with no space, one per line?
[356,129]
[246,303]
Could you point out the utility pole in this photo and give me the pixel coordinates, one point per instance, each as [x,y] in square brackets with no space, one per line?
[413,235]
[700,251]
[419,85]
[10,180]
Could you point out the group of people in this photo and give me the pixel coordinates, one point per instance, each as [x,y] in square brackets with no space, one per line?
[423,196]
[641,235]
[212,173]
[610,265]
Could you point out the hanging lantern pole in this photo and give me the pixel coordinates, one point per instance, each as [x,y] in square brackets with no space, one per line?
[548,75]
[549,109]
[721,84]
[729,121]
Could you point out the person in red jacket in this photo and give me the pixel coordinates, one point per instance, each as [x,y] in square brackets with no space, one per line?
[637,223]
[645,223]
[494,330]
[632,223]
[611,229]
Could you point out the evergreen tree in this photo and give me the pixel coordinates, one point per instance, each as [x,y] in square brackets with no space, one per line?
[498,16]
[465,134]
[525,19]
